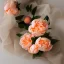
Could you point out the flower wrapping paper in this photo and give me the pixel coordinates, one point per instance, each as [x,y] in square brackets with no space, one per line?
[9,29]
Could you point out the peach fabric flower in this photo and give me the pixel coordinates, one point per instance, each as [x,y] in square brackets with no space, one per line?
[10,8]
[44,44]
[25,41]
[33,49]
[38,27]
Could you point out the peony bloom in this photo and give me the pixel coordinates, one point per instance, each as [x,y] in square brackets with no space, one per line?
[10,8]
[33,49]
[27,19]
[44,44]
[38,27]
[26,41]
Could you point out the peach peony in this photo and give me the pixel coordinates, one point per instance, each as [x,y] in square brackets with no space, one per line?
[26,41]
[33,49]
[38,27]
[10,8]
[44,44]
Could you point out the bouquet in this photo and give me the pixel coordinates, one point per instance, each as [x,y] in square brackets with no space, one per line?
[37,40]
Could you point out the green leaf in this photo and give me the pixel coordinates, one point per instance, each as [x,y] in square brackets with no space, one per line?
[46,18]
[53,41]
[19,35]
[18,21]
[21,25]
[47,35]
[26,26]
[39,54]
[49,28]
[31,7]
[17,5]
[27,8]
[19,17]
[36,17]
[34,10]
[34,39]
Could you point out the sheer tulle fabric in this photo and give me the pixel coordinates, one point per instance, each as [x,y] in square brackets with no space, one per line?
[8,30]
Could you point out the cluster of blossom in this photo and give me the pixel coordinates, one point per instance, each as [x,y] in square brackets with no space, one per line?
[37,28]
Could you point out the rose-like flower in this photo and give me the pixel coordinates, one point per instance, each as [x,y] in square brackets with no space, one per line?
[33,49]
[44,44]
[25,41]
[27,19]
[10,8]
[38,27]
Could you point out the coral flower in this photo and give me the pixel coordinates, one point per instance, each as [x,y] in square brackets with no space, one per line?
[10,8]
[25,41]
[38,27]
[44,44]
[33,49]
